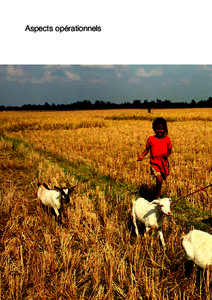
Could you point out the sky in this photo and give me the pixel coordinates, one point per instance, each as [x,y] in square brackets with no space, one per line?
[146,50]
[64,84]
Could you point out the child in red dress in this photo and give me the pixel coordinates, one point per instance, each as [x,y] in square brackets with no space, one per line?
[160,148]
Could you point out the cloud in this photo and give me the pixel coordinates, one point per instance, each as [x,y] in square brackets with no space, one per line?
[61,74]
[46,78]
[47,74]
[14,73]
[52,76]
[143,73]
[72,76]
[205,67]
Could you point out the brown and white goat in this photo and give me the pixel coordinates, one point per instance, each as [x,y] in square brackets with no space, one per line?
[53,198]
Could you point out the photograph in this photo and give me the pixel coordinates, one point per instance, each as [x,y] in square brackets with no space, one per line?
[105,150]
[106,181]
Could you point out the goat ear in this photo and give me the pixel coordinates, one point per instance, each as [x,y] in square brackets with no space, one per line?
[57,188]
[71,189]
[46,186]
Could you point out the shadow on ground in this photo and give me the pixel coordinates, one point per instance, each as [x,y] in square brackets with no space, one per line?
[147,191]
[207,221]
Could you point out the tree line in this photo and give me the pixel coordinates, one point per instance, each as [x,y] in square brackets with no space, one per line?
[100,104]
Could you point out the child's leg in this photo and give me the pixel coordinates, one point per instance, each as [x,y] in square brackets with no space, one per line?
[159,181]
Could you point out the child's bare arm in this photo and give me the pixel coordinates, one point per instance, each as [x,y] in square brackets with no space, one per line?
[145,152]
[168,153]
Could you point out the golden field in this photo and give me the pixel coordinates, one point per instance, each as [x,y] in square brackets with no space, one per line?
[92,255]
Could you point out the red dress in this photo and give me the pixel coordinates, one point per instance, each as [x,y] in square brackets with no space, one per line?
[158,149]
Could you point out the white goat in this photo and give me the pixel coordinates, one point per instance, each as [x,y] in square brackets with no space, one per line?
[198,247]
[53,198]
[151,214]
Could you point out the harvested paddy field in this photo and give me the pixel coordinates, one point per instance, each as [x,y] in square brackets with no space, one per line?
[92,254]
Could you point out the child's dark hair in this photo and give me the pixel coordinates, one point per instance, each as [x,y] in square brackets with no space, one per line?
[161,121]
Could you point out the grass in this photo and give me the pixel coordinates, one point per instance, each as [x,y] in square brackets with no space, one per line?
[92,254]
